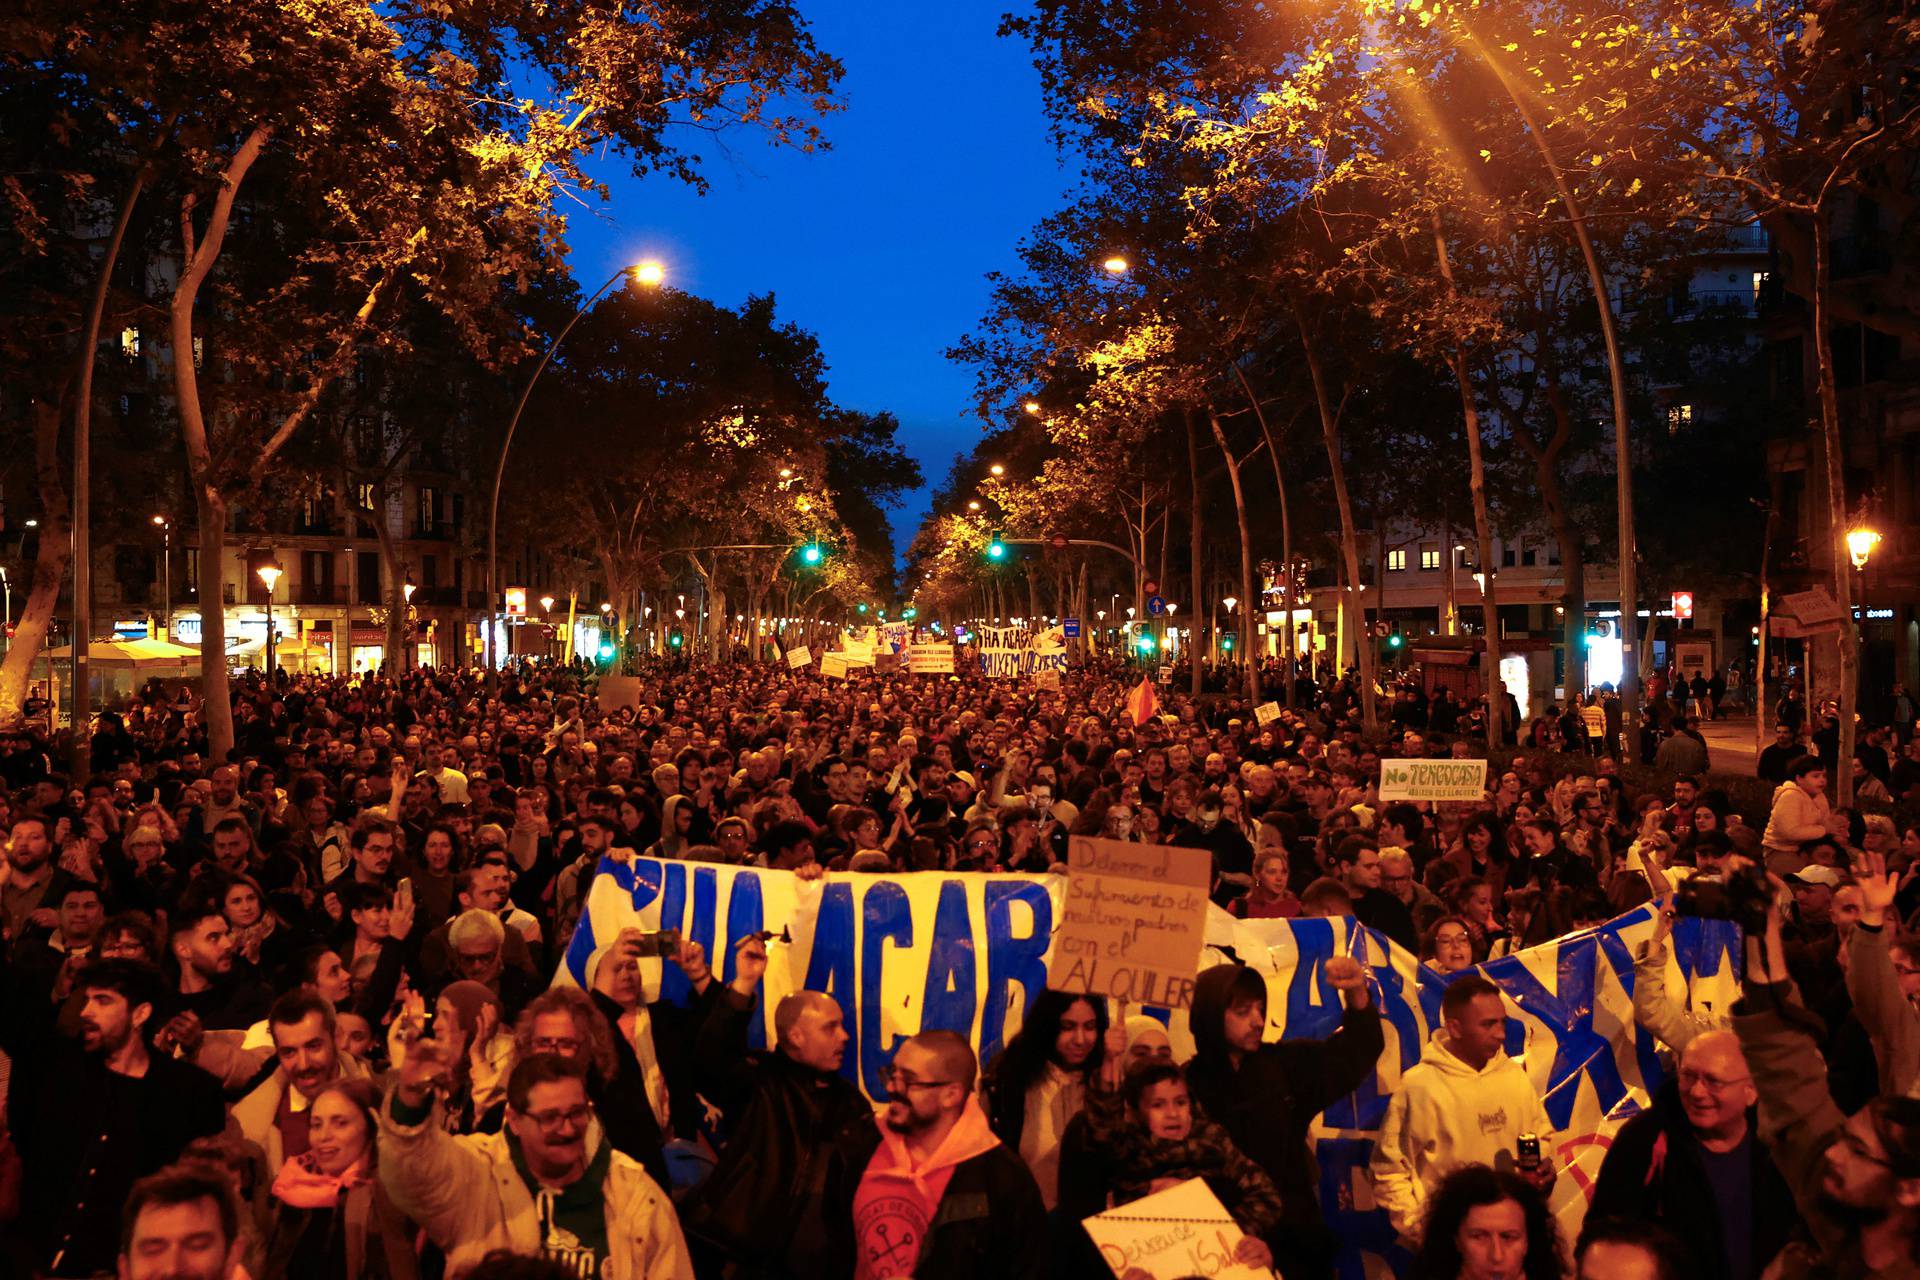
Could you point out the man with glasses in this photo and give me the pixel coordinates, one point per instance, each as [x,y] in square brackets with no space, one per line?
[939,1195]
[547,1186]
[1694,1163]
[1855,1178]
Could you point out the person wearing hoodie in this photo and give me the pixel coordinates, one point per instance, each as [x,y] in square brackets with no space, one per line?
[939,1197]
[1464,1102]
[1266,1095]
[1800,813]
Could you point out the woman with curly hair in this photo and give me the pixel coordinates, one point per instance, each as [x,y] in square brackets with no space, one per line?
[1488,1224]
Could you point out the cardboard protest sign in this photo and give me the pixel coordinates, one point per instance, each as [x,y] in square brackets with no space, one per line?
[799,656]
[618,692]
[1048,680]
[930,660]
[1134,921]
[1266,713]
[1182,1231]
[834,665]
[1433,779]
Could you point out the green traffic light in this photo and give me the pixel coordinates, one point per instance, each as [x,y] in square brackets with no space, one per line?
[859,608]
[675,640]
[1146,644]
[812,554]
[1394,641]
[1226,642]
[996,550]
[910,613]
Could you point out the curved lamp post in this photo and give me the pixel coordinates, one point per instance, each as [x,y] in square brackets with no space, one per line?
[649,274]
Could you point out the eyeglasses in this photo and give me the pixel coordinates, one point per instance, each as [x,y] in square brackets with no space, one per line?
[895,1078]
[549,1121]
[1713,1084]
[556,1044]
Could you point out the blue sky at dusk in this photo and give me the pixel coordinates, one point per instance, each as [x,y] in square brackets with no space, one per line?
[939,164]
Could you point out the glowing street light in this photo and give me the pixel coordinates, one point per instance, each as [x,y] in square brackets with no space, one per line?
[997,470]
[1861,542]
[269,573]
[546,604]
[1116,265]
[1032,407]
[649,273]
[812,553]
[974,505]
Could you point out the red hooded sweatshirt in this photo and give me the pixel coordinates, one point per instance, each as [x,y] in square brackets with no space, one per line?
[898,1198]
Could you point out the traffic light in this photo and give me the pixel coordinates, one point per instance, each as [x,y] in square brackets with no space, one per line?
[1226,642]
[909,613]
[674,639]
[996,550]
[812,553]
[1395,640]
[860,608]
[1146,643]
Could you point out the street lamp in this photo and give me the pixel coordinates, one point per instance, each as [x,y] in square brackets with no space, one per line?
[1032,407]
[997,470]
[546,604]
[269,573]
[166,577]
[1861,542]
[1115,266]
[647,273]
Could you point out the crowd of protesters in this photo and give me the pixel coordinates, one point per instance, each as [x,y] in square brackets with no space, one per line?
[292,1014]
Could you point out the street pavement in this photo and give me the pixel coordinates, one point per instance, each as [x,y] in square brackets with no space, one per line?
[1730,746]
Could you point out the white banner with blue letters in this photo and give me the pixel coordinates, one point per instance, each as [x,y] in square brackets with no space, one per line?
[965,952]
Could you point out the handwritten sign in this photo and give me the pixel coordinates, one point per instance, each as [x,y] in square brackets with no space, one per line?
[1182,1231]
[1047,680]
[833,666]
[1134,921]
[1266,713]
[930,660]
[1433,779]
[618,692]
[799,656]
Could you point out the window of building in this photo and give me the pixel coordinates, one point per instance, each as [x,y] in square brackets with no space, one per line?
[190,569]
[459,511]
[1506,557]
[1429,557]
[1678,416]
[1396,560]
[199,352]
[130,342]
[1553,553]
[430,572]
[429,507]
[366,497]
[1529,557]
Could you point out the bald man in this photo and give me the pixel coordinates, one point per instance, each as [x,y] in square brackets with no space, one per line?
[788,1109]
[1694,1162]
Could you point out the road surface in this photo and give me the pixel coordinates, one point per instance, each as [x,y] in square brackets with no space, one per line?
[1730,747]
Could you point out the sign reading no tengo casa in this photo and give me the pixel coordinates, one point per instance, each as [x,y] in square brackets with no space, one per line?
[1433,779]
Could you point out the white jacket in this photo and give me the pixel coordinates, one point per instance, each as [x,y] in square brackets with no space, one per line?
[1446,1114]
[1796,817]
[467,1195]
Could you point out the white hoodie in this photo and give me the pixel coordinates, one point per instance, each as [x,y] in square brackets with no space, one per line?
[1446,1114]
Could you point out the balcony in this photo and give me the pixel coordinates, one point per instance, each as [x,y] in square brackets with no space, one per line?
[438,531]
[1722,304]
[326,594]
[437,597]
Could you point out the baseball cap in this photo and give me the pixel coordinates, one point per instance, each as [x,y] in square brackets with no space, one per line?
[1817,875]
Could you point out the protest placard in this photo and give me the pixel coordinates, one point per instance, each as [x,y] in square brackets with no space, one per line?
[1182,1231]
[833,665]
[799,656]
[1047,679]
[617,692]
[1134,921]
[930,660]
[1266,713]
[1433,779]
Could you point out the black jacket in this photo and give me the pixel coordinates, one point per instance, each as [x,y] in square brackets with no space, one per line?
[775,1201]
[1653,1173]
[991,1222]
[1267,1103]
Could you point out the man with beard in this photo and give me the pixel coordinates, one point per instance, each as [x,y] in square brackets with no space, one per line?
[274,1115]
[182,1223]
[92,1116]
[940,1195]
[223,993]
[1856,1179]
[1232,855]
[27,879]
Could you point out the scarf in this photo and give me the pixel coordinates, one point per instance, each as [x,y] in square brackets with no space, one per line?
[301,1184]
[1053,1100]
